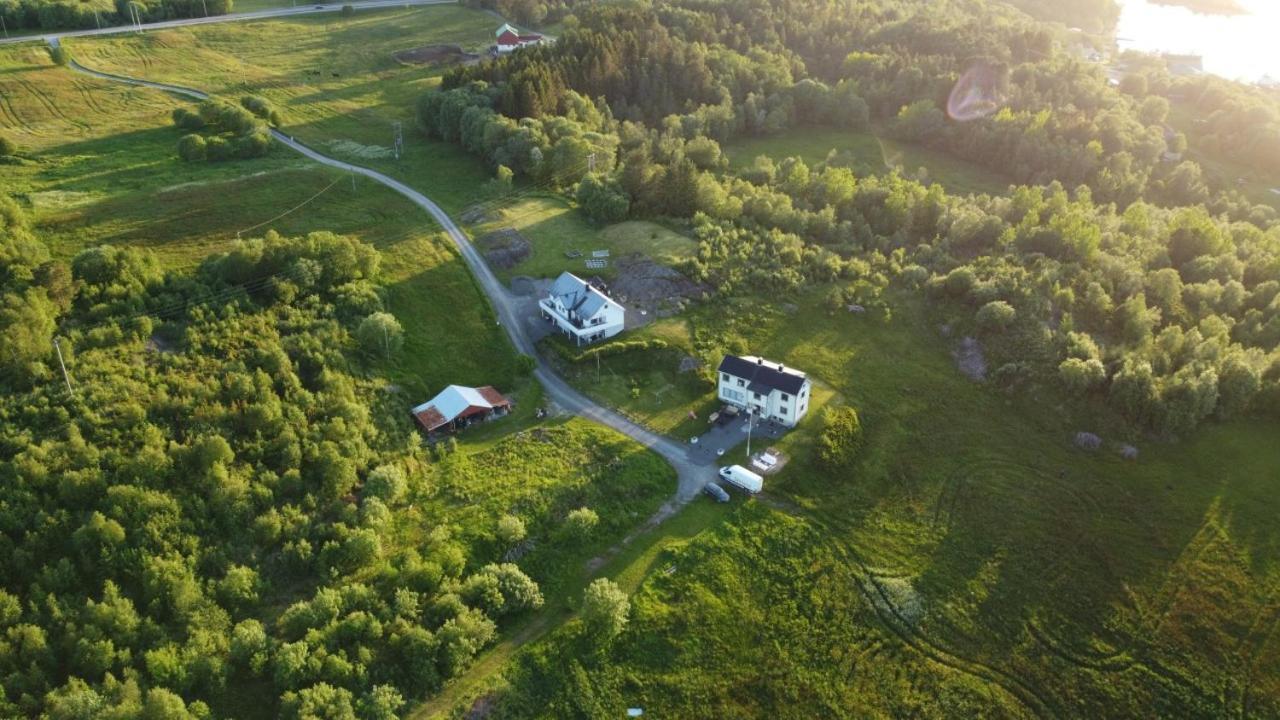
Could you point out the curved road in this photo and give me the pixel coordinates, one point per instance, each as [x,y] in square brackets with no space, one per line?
[691,475]
[304,9]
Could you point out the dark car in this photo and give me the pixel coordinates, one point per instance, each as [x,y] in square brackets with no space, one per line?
[716,492]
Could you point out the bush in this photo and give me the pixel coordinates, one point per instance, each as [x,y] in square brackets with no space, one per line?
[387,483]
[7,147]
[347,11]
[59,55]
[605,609]
[380,334]
[511,529]
[581,522]
[996,316]
[192,147]
[841,438]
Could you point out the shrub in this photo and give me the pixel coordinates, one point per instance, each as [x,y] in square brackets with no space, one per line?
[187,120]
[841,438]
[579,523]
[7,147]
[511,529]
[192,147]
[996,316]
[605,609]
[380,334]
[1081,375]
[59,55]
[347,11]
[386,483]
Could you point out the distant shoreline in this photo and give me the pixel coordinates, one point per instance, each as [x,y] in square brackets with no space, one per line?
[1207,7]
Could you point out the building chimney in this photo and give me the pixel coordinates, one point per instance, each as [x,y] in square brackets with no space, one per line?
[780,368]
[759,361]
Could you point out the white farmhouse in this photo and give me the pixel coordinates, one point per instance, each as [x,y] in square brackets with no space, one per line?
[766,389]
[581,311]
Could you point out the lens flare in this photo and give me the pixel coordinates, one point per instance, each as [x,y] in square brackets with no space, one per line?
[978,93]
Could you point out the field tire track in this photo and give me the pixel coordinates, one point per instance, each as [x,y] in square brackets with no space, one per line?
[1116,662]
[52,107]
[1014,686]
[9,111]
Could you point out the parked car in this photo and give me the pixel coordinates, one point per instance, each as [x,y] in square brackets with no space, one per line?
[716,492]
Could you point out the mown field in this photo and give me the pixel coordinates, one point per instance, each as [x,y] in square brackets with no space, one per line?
[335,80]
[974,563]
[561,238]
[99,166]
[871,155]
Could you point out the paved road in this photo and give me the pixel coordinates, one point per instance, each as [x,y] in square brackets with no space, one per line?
[304,9]
[691,475]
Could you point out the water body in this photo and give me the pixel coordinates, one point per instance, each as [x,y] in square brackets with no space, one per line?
[1240,47]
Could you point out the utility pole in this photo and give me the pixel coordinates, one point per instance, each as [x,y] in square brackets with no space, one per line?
[98,19]
[65,376]
[205,3]
[591,163]
[399,139]
[5,26]
[353,181]
[750,416]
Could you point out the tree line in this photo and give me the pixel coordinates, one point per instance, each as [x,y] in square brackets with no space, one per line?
[70,15]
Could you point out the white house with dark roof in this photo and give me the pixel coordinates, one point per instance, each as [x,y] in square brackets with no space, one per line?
[766,389]
[581,311]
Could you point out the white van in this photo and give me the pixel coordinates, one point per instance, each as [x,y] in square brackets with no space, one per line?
[742,478]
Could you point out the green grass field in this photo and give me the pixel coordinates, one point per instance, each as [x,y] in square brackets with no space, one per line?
[335,80]
[874,156]
[101,167]
[972,564]
[555,229]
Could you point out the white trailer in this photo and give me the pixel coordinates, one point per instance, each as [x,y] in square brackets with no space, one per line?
[743,478]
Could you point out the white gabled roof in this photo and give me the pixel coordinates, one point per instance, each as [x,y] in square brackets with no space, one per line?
[453,401]
[506,27]
[578,295]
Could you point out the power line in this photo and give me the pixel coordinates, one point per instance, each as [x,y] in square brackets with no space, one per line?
[290,210]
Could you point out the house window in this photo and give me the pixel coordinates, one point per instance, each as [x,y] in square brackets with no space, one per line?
[740,382]
[783,409]
[724,377]
[785,397]
[757,396]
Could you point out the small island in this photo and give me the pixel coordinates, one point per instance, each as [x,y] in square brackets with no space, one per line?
[1208,7]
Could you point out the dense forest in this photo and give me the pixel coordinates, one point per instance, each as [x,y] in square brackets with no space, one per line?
[69,15]
[213,512]
[1113,273]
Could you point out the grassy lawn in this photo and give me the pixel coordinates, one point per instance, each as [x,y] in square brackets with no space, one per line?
[554,228]
[873,155]
[335,80]
[972,563]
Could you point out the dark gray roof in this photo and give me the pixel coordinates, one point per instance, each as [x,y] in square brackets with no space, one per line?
[762,373]
[578,295]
